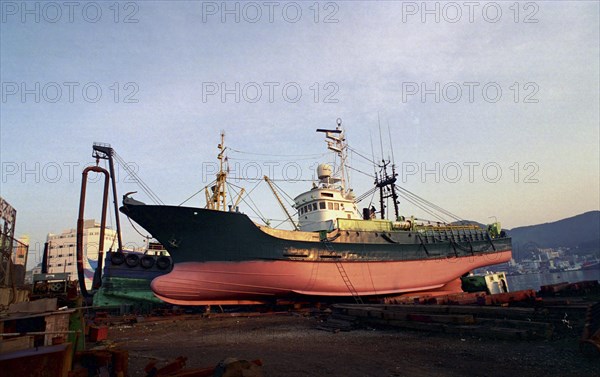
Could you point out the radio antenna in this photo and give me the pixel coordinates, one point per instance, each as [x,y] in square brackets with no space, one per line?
[391,146]
[380,138]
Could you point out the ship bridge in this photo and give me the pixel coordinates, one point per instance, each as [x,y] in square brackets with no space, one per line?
[319,208]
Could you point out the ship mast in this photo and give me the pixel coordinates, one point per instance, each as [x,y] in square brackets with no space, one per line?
[387,187]
[338,145]
[217,199]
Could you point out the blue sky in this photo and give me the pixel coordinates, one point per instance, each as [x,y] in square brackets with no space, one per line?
[160,104]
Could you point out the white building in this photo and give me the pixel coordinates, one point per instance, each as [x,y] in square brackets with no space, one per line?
[62,250]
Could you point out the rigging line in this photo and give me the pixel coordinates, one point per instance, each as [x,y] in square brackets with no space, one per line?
[140,182]
[256,211]
[360,171]
[435,206]
[237,193]
[422,207]
[283,221]
[390,137]
[364,195]
[425,208]
[194,194]
[284,193]
[359,161]
[136,177]
[231,196]
[248,194]
[134,228]
[278,155]
[239,187]
[372,196]
[361,155]
[373,155]
[234,185]
[419,203]
[258,218]
[272,180]
[278,159]
[426,202]
[380,138]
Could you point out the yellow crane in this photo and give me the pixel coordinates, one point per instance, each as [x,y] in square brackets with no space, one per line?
[280,201]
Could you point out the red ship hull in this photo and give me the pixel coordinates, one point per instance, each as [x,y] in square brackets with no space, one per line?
[250,282]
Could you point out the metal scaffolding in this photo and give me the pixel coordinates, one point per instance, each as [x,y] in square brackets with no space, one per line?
[8,217]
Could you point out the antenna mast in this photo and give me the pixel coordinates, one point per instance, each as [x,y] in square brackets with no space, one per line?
[218,199]
[338,145]
[385,182]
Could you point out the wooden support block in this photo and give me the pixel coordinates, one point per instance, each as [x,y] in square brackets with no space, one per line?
[389,314]
[16,344]
[37,306]
[441,318]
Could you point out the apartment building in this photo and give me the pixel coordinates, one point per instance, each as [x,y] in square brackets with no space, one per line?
[62,252]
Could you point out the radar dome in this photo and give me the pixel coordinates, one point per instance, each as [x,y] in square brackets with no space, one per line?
[324,171]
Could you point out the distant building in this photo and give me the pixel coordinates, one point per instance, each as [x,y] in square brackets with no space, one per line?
[34,271]
[62,252]
[20,248]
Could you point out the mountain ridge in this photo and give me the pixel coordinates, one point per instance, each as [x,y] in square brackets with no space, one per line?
[580,231]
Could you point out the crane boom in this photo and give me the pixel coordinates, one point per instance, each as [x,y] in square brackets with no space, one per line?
[280,202]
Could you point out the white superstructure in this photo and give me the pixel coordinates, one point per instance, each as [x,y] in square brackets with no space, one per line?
[328,200]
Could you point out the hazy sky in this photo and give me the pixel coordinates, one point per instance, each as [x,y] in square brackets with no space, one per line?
[493,108]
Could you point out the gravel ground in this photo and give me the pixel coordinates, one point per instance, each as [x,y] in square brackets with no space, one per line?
[290,345]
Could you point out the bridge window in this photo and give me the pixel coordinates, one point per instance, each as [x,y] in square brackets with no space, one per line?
[329,205]
[314,206]
[322,205]
[337,206]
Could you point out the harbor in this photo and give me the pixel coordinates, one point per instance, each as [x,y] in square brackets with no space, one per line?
[216,294]
[299,188]
[534,281]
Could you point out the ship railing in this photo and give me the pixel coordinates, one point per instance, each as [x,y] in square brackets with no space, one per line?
[421,227]
[452,234]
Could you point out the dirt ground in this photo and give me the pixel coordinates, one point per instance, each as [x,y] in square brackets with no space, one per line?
[291,345]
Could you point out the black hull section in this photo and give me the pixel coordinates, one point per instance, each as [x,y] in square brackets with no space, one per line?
[201,235]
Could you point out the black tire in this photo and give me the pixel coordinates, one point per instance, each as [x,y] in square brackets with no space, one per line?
[163,263]
[132,260]
[57,287]
[147,261]
[117,258]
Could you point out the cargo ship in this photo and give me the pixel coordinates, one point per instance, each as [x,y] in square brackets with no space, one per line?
[222,257]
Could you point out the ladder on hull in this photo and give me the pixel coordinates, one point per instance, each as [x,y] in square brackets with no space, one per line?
[343,273]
